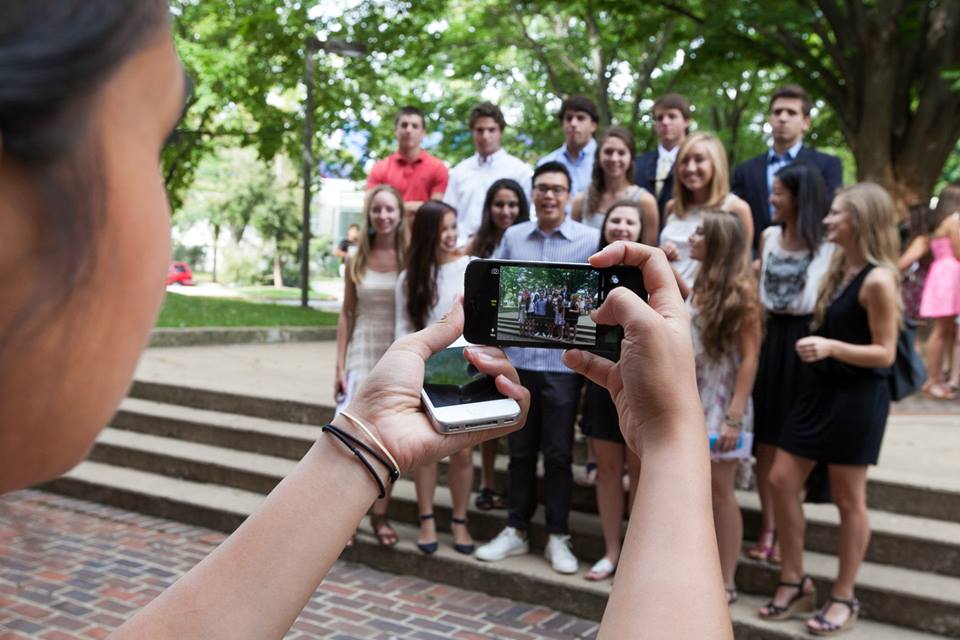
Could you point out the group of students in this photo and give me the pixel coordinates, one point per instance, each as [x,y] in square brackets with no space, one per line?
[550,313]
[793,330]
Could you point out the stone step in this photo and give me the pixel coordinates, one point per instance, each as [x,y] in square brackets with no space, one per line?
[913,545]
[890,596]
[907,496]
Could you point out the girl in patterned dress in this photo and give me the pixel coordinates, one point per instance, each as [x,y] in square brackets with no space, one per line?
[725,312]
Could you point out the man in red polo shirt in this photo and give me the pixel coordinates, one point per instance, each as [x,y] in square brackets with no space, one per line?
[413,172]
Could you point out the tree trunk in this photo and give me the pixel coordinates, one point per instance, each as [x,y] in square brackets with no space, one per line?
[216,244]
[277,273]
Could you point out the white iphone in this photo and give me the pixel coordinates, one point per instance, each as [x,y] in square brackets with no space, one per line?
[459,398]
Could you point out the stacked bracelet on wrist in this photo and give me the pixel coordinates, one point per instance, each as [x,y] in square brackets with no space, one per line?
[356,445]
[733,424]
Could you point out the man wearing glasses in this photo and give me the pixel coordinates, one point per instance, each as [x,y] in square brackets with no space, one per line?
[554,389]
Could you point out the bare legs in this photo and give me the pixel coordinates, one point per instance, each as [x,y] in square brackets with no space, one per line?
[726,518]
[488,456]
[766,542]
[849,487]
[941,339]
[460,479]
[610,457]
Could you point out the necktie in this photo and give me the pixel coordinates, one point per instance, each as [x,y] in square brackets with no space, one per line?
[664,165]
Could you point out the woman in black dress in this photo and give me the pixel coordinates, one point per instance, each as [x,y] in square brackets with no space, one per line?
[840,414]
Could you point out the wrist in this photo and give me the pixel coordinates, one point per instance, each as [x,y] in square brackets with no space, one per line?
[671,432]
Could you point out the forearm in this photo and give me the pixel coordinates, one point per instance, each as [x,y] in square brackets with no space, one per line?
[344,329]
[862,355]
[669,577]
[256,583]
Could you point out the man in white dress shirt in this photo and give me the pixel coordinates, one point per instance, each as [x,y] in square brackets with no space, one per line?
[471,178]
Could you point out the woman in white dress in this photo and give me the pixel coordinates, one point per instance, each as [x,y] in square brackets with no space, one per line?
[703,181]
[425,292]
[365,327]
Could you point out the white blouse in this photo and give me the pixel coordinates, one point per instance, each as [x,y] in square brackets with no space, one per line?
[449,285]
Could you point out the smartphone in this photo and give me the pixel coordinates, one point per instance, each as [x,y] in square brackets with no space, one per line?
[458,397]
[542,304]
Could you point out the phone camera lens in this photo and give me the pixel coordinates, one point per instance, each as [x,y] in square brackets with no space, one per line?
[615,279]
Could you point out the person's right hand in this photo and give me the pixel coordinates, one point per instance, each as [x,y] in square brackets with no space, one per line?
[654,384]
[670,250]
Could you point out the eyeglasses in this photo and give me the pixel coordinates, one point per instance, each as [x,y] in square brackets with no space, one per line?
[544,189]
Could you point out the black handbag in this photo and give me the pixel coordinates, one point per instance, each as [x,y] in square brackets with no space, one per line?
[907,374]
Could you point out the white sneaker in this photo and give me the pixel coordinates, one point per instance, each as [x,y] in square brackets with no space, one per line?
[559,555]
[507,543]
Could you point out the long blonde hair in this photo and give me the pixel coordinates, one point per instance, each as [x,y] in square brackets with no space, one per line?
[357,266]
[725,292]
[719,184]
[874,218]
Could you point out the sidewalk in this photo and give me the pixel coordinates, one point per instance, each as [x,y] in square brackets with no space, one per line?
[921,444]
[71,569]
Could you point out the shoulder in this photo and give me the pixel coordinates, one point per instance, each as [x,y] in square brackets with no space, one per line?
[751,164]
[432,161]
[771,233]
[518,231]
[463,167]
[880,281]
[553,155]
[736,204]
[517,164]
[647,157]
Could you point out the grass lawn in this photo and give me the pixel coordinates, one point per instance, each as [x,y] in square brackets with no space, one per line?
[192,311]
[281,293]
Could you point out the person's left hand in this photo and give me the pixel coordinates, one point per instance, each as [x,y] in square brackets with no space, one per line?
[389,402]
[727,440]
[814,348]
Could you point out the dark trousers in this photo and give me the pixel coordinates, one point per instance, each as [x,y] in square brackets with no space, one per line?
[549,428]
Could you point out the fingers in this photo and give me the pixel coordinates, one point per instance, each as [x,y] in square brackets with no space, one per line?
[437,336]
[592,367]
[492,361]
[658,277]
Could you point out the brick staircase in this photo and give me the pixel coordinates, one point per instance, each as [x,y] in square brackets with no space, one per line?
[208,458]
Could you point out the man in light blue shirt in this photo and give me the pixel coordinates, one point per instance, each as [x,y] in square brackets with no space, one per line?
[554,389]
[579,118]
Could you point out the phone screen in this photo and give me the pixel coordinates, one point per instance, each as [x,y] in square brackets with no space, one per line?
[450,380]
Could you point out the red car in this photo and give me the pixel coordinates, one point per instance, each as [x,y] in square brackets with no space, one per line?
[179,273]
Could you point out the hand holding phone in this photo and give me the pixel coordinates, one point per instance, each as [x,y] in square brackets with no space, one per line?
[541,304]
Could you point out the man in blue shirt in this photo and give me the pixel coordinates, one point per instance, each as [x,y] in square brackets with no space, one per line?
[753,180]
[579,118]
[554,389]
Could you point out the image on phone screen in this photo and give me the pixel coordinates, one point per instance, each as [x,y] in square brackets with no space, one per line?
[450,380]
[549,305]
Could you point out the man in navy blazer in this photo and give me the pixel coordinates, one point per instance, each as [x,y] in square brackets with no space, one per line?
[671,115]
[790,119]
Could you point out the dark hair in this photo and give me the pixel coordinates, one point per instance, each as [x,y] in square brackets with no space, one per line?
[633,204]
[793,91]
[54,58]
[487,110]
[409,111]
[598,181]
[805,183]
[579,103]
[948,201]
[673,101]
[488,236]
[421,279]
[551,167]
[353,225]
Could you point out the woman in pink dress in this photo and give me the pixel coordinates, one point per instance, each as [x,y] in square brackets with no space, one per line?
[941,291]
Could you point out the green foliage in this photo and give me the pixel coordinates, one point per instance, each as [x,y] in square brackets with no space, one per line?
[243,266]
[194,311]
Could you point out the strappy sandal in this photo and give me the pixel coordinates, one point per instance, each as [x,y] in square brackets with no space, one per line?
[732,594]
[465,549]
[827,628]
[802,601]
[427,547]
[382,530]
[763,549]
[488,499]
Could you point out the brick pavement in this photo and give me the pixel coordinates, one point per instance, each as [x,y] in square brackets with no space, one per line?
[71,569]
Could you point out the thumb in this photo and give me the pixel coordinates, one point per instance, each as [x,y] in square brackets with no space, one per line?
[437,336]
[592,367]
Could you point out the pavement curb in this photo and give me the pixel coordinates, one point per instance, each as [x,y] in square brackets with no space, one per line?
[239,335]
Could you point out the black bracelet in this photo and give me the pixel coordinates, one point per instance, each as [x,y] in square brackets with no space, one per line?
[394,473]
[346,440]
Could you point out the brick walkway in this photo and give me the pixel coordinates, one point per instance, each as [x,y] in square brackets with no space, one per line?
[71,569]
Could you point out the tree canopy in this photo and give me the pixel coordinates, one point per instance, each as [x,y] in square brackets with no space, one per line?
[885,76]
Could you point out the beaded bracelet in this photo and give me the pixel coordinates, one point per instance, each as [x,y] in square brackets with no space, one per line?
[733,424]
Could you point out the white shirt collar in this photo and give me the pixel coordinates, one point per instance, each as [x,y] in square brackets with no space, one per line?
[492,158]
[672,153]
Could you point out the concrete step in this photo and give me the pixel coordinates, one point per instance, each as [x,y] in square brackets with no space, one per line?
[906,542]
[921,601]
[264,425]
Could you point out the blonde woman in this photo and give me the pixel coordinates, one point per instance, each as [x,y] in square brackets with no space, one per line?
[703,181]
[840,414]
[725,313]
[365,327]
